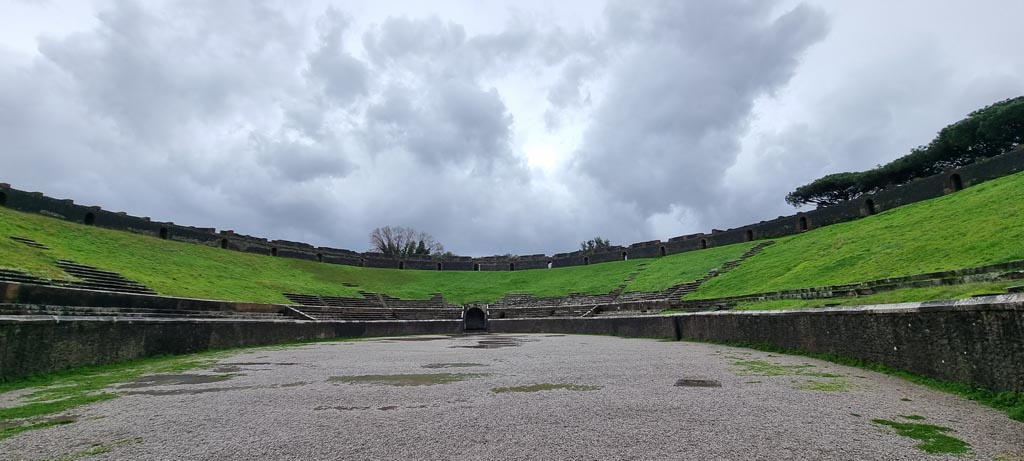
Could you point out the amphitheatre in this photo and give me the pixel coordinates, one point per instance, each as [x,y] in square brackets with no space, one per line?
[890,326]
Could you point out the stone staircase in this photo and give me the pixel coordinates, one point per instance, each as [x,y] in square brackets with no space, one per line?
[90,278]
[30,242]
[96,279]
[11,275]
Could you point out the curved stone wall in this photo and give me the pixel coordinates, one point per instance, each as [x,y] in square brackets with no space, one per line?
[918,190]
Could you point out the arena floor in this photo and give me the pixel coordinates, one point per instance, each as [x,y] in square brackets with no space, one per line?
[518,397]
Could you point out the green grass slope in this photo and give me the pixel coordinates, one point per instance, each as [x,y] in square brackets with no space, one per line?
[189,270]
[980,225]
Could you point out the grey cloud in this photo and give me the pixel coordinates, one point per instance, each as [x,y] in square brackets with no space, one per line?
[249,116]
[403,38]
[443,122]
[343,76]
[680,99]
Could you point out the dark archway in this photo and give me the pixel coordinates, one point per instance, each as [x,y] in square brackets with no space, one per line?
[551,264]
[163,233]
[362,262]
[749,235]
[586,260]
[401,265]
[439,266]
[802,224]
[90,219]
[511,266]
[476,267]
[475,319]
[662,251]
[273,251]
[3,198]
[224,243]
[956,182]
[625,256]
[319,257]
[703,244]
[869,207]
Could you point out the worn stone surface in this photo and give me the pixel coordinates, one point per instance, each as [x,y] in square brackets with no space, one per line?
[285,406]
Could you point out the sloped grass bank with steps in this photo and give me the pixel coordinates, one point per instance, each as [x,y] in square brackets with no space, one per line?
[977,226]
[195,271]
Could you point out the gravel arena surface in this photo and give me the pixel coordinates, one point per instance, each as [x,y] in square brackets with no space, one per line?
[348,400]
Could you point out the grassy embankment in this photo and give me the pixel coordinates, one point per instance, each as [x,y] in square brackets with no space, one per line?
[980,225]
[198,271]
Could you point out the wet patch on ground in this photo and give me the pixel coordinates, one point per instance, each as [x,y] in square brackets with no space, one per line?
[497,342]
[453,365]
[414,338]
[693,382]
[98,449]
[175,380]
[235,367]
[384,408]
[427,379]
[545,387]
[207,390]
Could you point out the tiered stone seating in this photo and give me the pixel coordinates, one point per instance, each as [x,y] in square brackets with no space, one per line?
[375,306]
[435,302]
[538,312]
[97,279]
[348,313]
[305,300]
[11,275]
[77,311]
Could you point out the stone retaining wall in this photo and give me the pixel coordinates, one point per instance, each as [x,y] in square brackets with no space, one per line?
[979,341]
[30,346]
[979,344]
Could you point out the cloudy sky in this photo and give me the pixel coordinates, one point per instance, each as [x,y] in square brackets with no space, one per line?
[523,127]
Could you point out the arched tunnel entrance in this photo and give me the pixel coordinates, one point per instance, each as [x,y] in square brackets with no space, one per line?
[475,319]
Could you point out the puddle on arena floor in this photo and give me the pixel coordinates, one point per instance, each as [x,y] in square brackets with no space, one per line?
[497,342]
[428,379]
[545,387]
[206,390]
[160,392]
[384,408]
[235,367]
[453,365]
[692,382]
[175,380]
[415,338]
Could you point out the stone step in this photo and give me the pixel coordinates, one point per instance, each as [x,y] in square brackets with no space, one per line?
[29,242]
